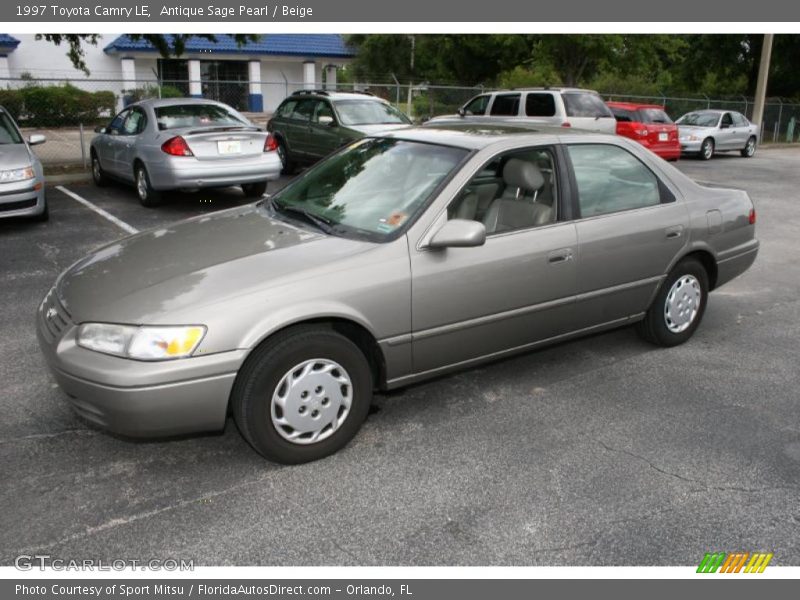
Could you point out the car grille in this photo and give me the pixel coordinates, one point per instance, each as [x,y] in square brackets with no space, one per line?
[55,317]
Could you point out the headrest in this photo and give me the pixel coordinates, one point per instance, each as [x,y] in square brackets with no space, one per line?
[522,174]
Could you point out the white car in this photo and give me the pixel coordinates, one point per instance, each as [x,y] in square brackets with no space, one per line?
[559,107]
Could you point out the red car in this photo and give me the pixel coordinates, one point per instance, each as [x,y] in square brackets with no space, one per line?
[649,125]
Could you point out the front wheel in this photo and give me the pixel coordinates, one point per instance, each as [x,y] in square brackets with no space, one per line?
[707,149]
[750,147]
[678,307]
[147,195]
[303,395]
[98,175]
[254,190]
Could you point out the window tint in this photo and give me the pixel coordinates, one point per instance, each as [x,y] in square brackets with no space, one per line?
[303,110]
[286,109]
[655,115]
[540,105]
[516,190]
[584,104]
[611,179]
[505,105]
[477,106]
[135,123]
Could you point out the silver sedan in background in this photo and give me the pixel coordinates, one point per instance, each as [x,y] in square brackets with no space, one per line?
[704,132]
[21,174]
[183,143]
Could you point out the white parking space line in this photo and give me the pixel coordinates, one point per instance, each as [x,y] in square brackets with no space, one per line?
[106,215]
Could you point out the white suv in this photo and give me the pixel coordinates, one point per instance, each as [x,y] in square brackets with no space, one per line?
[559,107]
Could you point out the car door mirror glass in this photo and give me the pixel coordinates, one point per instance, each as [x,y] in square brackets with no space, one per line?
[36,138]
[327,121]
[459,233]
[99,129]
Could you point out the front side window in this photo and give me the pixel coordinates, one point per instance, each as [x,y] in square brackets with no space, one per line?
[8,132]
[286,109]
[516,190]
[585,104]
[134,124]
[303,110]
[505,105]
[369,112]
[477,106]
[371,189]
[323,111]
[727,120]
[116,122]
[610,179]
[540,105]
[196,115]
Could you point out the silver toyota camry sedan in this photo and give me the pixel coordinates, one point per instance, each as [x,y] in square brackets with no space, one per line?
[184,143]
[399,258]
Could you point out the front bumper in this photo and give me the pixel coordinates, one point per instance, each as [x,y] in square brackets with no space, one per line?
[188,172]
[691,147]
[22,198]
[136,398]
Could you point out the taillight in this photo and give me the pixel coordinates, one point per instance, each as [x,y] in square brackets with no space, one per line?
[176,146]
[752,216]
[643,132]
[566,124]
[270,144]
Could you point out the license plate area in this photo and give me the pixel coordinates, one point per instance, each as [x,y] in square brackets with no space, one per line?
[663,136]
[227,147]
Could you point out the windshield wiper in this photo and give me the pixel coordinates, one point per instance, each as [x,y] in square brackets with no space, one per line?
[320,222]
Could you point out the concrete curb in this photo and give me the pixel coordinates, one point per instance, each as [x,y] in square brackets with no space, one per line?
[63,178]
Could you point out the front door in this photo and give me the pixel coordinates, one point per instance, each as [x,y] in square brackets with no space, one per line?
[323,131]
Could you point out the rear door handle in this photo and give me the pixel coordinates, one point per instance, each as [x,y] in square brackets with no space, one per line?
[560,256]
[674,232]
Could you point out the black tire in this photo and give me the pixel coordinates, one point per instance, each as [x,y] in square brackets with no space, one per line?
[98,175]
[260,378]
[707,149]
[288,166]
[254,190]
[750,148]
[144,189]
[654,327]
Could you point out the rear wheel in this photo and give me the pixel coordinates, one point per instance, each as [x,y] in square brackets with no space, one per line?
[302,395]
[98,175]
[147,195]
[750,147]
[254,190]
[678,307]
[287,164]
[707,149]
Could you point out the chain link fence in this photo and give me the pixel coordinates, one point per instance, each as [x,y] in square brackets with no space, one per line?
[67,111]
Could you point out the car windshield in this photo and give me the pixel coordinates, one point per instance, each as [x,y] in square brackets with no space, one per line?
[178,116]
[699,119]
[8,132]
[371,189]
[369,112]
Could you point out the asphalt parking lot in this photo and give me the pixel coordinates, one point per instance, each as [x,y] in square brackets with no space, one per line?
[601,451]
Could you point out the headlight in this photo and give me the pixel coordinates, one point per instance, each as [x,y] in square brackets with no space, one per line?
[17,174]
[690,138]
[142,343]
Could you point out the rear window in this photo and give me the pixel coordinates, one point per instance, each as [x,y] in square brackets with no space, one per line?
[583,104]
[540,105]
[195,115]
[505,105]
[655,115]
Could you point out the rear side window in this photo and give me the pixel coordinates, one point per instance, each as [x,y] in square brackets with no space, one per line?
[655,115]
[477,106]
[583,104]
[505,105]
[739,120]
[610,179]
[540,105]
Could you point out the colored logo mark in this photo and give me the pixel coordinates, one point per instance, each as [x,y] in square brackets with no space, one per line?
[734,562]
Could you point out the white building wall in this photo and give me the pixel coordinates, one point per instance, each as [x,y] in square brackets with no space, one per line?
[45,60]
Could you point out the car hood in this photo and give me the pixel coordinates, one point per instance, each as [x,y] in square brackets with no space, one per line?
[151,276]
[378,128]
[14,156]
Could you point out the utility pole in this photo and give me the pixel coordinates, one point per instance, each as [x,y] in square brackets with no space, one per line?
[761,83]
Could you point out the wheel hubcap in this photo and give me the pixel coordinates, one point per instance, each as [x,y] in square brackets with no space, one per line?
[141,184]
[96,169]
[707,150]
[751,146]
[311,401]
[682,304]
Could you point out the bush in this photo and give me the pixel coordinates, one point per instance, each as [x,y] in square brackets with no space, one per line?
[60,105]
[11,100]
[152,91]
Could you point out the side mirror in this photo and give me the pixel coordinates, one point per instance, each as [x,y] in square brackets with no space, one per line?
[36,138]
[461,112]
[327,120]
[99,129]
[459,233]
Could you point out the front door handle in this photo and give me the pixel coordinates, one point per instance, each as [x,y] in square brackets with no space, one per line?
[560,256]
[674,232]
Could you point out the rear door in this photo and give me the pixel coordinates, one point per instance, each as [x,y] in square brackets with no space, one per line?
[726,136]
[586,110]
[631,226]
[541,106]
[741,130]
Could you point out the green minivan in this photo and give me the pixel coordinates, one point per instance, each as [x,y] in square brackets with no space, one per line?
[310,124]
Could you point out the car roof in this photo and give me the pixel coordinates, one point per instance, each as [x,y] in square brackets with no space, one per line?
[158,102]
[545,89]
[634,105]
[334,96]
[479,135]
[710,111]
